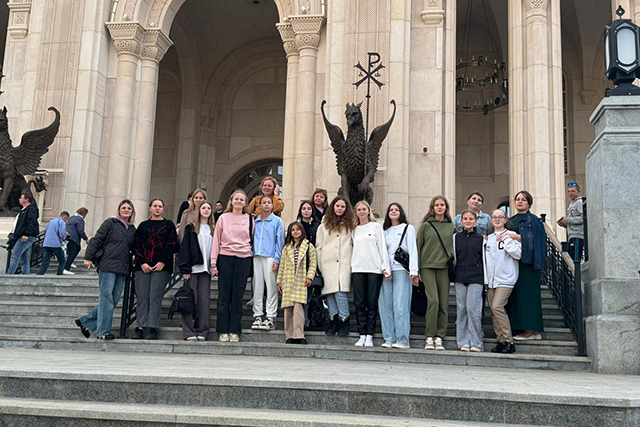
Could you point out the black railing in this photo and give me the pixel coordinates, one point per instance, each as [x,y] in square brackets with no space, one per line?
[585,250]
[129,303]
[36,254]
[562,276]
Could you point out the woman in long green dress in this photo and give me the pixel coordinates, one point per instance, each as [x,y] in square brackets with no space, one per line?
[525,303]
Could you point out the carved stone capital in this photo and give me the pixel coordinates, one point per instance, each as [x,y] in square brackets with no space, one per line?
[307,30]
[288,38]
[433,13]
[19,17]
[536,7]
[154,45]
[127,36]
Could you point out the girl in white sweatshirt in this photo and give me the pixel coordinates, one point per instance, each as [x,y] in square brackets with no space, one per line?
[369,265]
[502,250]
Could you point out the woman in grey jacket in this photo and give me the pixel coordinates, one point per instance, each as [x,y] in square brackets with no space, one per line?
[110,250]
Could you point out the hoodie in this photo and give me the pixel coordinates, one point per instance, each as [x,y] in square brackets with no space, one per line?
[501,260]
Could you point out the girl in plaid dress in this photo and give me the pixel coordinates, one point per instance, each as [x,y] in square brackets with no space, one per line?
[296,272]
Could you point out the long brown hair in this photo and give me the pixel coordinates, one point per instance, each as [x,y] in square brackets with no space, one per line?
[402,219]
[192,206]
[432,211]
[230,206]
[196,217]
[290,240]
[333,222]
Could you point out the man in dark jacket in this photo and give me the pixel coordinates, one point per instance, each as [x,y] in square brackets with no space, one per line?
[25,231]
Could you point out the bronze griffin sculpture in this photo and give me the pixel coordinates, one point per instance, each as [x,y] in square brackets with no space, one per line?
[15,162]
[356,157]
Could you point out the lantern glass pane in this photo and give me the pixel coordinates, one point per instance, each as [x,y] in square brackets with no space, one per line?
[607,58]
[626,46]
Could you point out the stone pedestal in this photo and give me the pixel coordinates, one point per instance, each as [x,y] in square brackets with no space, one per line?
[612,295]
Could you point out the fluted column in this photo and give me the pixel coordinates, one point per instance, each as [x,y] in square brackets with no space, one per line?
[288,161]
[535,104]
[128,41]
[155,45]
[307,37]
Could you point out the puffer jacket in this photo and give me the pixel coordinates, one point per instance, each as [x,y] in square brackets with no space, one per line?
[116,240]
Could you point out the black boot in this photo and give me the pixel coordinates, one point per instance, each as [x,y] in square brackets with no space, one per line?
[345,327]
[498,348]
[138,334]
[333,326]
[153,334]
[508,348]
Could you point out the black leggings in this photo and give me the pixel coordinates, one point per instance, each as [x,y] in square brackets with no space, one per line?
[366,290]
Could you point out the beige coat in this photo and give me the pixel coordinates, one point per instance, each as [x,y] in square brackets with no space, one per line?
[333,251]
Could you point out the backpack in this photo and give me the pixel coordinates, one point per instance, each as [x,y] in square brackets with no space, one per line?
[184,301]
[318,315]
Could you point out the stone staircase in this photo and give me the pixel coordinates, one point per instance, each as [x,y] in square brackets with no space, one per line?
[38,312]
[50,375]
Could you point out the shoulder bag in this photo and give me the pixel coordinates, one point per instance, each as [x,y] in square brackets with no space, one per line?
[318,280]
[401,256]
[451,265]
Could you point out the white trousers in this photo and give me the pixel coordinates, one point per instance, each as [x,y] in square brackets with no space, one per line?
[263,275]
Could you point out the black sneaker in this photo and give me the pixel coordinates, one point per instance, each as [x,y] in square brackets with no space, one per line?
[302,341]
[333,326]
[508,348]
[83,329]
[109,337]
[498,348]
[289,341]
[153,334]
[345,327]
[138,334]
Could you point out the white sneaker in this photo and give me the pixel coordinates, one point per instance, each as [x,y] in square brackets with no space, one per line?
[257,324]
[429,344]
[73,266]
[439,345]
[401,346]
[192,339]
[368,342]
[268,325]
[223,338]
[387,344]
[234,338]
[201,338]
[361,341]
[465,347]
[475,349]
[68,273]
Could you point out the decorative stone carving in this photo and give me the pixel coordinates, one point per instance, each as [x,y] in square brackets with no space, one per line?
[288,38]
[129,9]
[154,45]
[127,36]
[536,6]
[19,14]
[433,14]
[307,30]
[156,12]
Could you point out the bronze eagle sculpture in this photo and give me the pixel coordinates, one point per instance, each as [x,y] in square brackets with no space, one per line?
[357,158]
[15,162]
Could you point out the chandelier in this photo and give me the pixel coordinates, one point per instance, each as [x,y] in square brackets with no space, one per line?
[481,84]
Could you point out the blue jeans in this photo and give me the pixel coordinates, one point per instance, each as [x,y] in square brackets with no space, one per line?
[46,259]
[100,318]
[395,307]
[338,304]
[21,253]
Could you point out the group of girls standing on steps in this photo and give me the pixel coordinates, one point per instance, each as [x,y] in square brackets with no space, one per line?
[347,247]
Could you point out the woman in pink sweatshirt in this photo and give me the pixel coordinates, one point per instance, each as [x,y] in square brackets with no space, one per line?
[231,256]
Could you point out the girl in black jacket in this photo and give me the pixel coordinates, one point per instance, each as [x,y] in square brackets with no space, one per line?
[469,284]
[109,249]
[193,262]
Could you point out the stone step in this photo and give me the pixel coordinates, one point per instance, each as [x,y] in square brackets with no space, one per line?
[174,333]
[45,413]
[417,327]
[333,351]
[314,384]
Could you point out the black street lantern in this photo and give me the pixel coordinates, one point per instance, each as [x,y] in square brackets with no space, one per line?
[622,54]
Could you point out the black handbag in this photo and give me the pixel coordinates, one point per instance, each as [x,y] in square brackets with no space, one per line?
[318,281]
[451,264]
[184,302]
[11,241]
[401,256]
[418,300]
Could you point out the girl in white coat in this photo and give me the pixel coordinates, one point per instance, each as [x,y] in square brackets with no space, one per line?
[334,246]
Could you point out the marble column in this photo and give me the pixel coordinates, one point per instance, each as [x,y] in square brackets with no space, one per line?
[128,41]
[535,104]
[289,149]
[307,37]
[154,47]
[612,292]
[432,105]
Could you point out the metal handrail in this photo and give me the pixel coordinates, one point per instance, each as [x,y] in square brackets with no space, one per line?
[562,276]
[36,253]
[129,303]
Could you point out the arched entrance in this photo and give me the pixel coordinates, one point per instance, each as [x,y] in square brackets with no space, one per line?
[249,178]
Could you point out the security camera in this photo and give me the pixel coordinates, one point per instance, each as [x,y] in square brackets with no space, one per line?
[424,150]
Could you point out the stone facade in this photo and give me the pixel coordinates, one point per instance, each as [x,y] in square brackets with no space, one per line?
[161,96]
